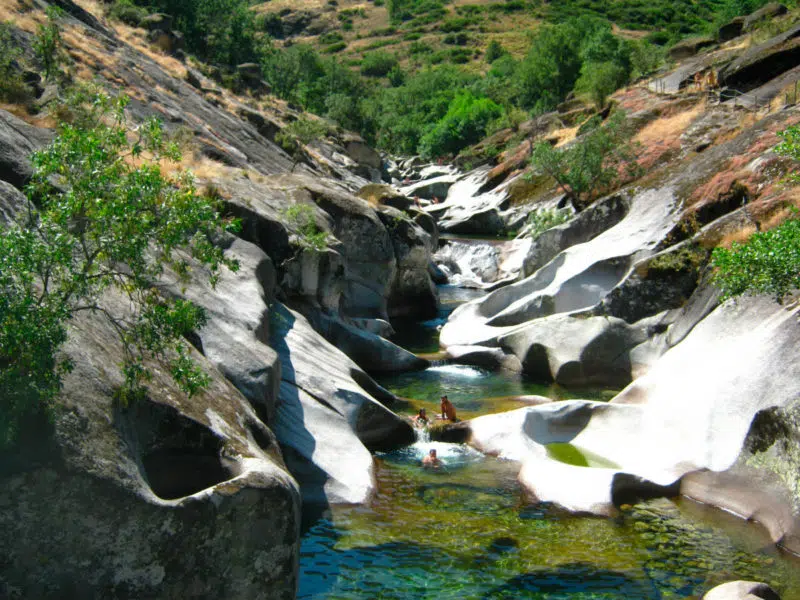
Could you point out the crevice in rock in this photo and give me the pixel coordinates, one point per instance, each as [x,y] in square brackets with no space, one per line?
[177,456]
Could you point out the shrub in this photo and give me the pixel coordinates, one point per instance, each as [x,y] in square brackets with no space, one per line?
[769,262]
[600,80]
[543,219]
[593,163]
[300,133]
[494,51]
[309,236]
[127,12]
[464,124]
[48,46]
[12,86]
[377,64]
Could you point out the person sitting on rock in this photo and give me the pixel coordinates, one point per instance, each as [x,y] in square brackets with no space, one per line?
[421,418]
[448,410]
[431,461]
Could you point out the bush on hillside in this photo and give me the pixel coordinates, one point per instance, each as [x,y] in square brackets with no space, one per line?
[378,64]
[464,124]
[593,164]
[769,262]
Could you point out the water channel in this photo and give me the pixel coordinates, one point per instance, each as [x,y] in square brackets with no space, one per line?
[466,531]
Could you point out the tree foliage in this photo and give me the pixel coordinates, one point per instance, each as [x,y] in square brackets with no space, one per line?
[101,214]
[464,124]
[593,163]
[48,45]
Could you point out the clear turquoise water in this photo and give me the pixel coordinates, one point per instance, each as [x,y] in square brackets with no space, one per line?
[466,531]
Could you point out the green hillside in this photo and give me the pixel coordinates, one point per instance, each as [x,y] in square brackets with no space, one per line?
[435,76]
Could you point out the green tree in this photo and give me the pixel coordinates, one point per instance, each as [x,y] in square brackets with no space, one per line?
[465,123]
[550,69]
[378,64]
[101,214]
[769,262]
[600,80]
[48,46]
[494,51]
[592,164]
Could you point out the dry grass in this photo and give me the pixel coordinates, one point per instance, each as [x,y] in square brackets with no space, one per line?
[662,137]
[740,236]
[668,127]
[565,135]
[136,39]
[19,12]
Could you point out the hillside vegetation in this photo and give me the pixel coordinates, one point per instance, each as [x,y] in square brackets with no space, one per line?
[434,76]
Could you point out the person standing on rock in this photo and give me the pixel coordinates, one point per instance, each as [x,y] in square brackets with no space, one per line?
[448,410]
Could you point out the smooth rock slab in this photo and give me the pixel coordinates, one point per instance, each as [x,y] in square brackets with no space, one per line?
[742,590]
[328,418]
[691,411]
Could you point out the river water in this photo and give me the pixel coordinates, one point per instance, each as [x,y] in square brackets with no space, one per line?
[466,531]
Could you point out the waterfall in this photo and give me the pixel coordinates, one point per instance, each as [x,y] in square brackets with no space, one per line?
[423,435]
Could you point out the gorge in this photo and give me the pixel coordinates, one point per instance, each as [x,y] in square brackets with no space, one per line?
[623,429]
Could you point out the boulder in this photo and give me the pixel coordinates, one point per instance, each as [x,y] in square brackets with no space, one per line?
[412,292]
[732,29]
[484,356]
[236,336]
[366,348]
[770,10]
[430,189]
[18,141]
[689,47]
[586,225]
[742,590]
[382,194]
[358,150]
[12,203]
[265,125]
[574,350]
[686,414]
[481,222]
[251,76]
[138,500]
[661,282]
[759,64]
[169,42]
[328,418]
[482,264]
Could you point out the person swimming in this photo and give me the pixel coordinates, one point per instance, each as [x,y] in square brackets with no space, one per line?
[421,418]
[431,460]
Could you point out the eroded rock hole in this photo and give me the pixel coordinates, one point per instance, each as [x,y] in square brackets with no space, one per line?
[178,456]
